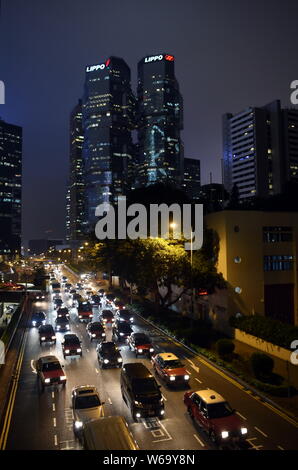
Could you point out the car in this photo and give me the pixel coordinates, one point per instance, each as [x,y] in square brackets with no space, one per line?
[46,334]
[96,300]
[119,305]
[49,371]
[68,285]
[215,415]
[121,331]
[38,318]
[86,406]
[95,330]
[106,316]
[140,344]
[57,303]
[85,312]
[108,355]
[71,345]
[140,391]
[110,297]
[125,316]
[39,297]
[56,285]
[170,369]
[62,312]
[62,324]
[73,291]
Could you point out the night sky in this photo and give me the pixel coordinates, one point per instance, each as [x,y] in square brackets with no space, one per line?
[229,54]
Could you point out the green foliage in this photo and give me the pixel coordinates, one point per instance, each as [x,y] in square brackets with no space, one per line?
[273,331]
[225,348]
[262,365]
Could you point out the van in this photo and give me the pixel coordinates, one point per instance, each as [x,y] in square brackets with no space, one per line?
[141,392]
[108,433]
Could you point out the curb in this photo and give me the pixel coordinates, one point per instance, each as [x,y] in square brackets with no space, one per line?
[228,373]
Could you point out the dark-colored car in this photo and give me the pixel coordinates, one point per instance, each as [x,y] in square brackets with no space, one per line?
[121,331]
[125,316]
[110,297]
[170,369]
[140,391]
[38,318]
[214,414]
[106,316]
[85,312]
[108,355]
[40,297]
[63,312]
[49,371]
[57,303]
[96,300]
[119,305]
[95,330]
[62,324]
[140,344]
[46,334]
[71,345]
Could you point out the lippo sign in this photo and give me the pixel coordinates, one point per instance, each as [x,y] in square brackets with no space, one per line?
[184,221]
[155,58]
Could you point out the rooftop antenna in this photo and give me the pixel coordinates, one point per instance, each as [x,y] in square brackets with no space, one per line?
[210,171]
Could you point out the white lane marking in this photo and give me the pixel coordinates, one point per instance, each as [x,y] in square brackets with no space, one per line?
[241,416]
[188,371]
[87,350]
[110,401]
[96,370]
[198,380]
[199,440]
[280,448]
[33,367]
[196,368]
[53,394]
[261,432]
[54,407]
[56,440]
[54,422]
[165,399]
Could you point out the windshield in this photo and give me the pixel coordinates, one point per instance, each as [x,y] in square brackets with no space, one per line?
[125,328]
[51,366]
[107,313]
[148,385]
[142,340]
[46,329]
[109,348]
[85,308]
[89,401]
[39,315]
[173,364]
[61,320]
[219,410]
[71,340]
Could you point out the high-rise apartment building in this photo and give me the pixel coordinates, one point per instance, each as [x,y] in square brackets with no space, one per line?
[160,120]
[191,183]
[10,189]
[108,119]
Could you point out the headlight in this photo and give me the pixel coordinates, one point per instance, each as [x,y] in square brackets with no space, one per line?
[106,361]
[162,412]
[119,359]
[43,338]
[103,334]
[224,434]
[137,403]
[151,349]
[47,381]
[78,424]
[43,322]
[53,337]
[80,316]
[67,326]
[121,334]
[90,316]
[243,430]
[131,318]
[186,377]
[172,378]
[140,350]
[79,350]
[67,351]
[138,415]
[34,323]
[93,335]
[63,377]
[58,327]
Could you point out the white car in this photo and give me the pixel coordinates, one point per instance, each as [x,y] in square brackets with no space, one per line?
[86,406]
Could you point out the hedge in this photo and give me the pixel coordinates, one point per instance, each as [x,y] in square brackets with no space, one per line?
[268,329]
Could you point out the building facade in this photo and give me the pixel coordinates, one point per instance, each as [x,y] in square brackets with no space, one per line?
[160,120]
[258,259]
[191,183]
[75,198]
[10,189]
[108,120]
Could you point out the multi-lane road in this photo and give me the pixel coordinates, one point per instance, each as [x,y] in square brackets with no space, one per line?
[44,420]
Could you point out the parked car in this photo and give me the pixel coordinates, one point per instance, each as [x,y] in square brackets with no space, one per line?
[215,415]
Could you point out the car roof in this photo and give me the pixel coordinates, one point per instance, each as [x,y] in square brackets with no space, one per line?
[46,359]
[168,356]
[96,324]
[137,370]
[210,396]
[85,390]
[45,327]
[70,336]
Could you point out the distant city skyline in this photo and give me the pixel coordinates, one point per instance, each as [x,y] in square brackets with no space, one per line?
[229,56]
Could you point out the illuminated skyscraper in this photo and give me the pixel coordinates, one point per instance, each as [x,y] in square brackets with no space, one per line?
[10,189]
[192,177]
[160,120]
[108,119]
[76,188]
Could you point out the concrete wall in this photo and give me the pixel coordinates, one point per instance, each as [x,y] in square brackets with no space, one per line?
[263,345]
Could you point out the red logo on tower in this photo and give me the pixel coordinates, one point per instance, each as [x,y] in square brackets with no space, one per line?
[169,57]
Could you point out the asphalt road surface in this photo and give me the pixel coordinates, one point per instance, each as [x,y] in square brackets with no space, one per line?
[44,420]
